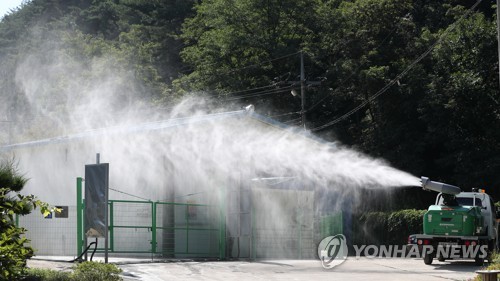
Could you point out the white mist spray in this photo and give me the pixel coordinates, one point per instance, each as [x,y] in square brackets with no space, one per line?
[82,101]
[191,159]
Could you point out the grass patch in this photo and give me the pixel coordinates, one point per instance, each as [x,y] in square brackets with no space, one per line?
[85,271]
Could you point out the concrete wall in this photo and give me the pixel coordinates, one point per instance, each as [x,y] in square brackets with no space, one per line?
[51,236]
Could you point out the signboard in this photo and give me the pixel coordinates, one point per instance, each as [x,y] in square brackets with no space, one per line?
[96,200]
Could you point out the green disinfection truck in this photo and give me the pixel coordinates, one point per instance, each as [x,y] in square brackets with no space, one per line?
[460,225]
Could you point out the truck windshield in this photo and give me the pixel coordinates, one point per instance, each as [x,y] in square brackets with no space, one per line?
[465,201]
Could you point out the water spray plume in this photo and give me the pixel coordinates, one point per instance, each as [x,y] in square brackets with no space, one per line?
[199,148]
[68,109]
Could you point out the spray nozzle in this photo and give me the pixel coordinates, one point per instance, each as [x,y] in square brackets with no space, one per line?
[439,186]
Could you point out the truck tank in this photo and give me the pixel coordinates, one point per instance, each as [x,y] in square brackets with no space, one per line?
[453,220]
[450,217]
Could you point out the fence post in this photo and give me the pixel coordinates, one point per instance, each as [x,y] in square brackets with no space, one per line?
[341,215]
[79,217]
[187,227]
[153,227]
[111,226]
[300,232]
[254,239]
[222,224]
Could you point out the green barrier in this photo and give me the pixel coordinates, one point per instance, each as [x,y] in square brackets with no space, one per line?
[123,213]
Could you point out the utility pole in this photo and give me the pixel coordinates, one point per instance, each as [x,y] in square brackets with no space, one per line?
[303,85]
[498,39]
[302,90]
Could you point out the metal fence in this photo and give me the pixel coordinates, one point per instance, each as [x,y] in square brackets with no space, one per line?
[187,230]
[166,229]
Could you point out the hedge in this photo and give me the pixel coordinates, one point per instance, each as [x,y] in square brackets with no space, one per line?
[386,228]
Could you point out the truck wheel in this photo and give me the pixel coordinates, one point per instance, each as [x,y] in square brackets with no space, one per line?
[428,258]
[478,261]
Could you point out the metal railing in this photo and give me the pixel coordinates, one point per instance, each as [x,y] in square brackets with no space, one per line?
[168,229]
[180,230]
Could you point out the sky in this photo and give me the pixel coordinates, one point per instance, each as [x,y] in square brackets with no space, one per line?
[7,5]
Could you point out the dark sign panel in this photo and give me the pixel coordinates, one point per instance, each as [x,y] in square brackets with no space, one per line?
[62,213]
[96,198]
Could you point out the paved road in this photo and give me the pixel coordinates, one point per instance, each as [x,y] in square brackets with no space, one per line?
[351,270]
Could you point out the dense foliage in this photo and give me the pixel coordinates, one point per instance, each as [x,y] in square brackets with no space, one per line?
[13,248]
[441,119]
[386,228]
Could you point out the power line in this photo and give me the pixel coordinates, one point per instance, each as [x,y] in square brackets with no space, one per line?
[284,114]
[258,88]
[354,72]
[261,93]
[401,75]
[233,70]
[252,89]
[293,120]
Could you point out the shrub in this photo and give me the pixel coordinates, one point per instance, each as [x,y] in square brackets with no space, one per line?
[370,228]
[39,274]
[13,251]
[403,223]
[96,271]
[386,228]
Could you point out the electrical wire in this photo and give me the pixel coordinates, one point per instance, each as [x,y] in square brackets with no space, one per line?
[400,75]
[233,70]
[284,114]
[354,72]
[261,93]
[267,92]
[252,89]
[293,120]
[129,194]
[259,88]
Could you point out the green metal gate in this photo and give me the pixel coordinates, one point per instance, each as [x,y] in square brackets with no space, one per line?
[332,224]
[164,229]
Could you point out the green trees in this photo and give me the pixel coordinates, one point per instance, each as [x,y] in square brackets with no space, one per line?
[440,120]
[463,103]
[55,53]
[13,251]
[230,44]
